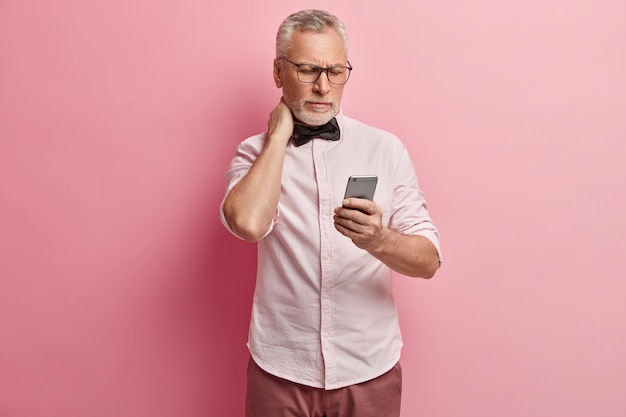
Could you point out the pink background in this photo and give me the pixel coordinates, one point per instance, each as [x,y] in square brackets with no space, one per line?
[122,295]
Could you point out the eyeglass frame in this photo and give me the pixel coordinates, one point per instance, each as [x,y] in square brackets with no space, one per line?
[322,70]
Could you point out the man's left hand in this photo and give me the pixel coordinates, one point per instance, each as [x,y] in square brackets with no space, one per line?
[361,221]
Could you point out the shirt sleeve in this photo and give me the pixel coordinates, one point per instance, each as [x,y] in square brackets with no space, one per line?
[410,215]
[247,152]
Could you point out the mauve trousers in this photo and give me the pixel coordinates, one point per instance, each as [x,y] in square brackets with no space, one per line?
[270,396]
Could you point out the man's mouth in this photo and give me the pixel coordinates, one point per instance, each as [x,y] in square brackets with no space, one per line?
[319,105]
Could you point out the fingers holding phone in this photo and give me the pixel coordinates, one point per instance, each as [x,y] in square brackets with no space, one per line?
[359,204]
[360,218]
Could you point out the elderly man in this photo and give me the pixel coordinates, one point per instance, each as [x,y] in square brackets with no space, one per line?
[324,335]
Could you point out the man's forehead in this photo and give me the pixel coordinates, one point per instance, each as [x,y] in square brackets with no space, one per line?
[326,46]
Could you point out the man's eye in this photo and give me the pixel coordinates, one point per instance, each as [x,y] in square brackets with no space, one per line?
[337,70]
[309,70]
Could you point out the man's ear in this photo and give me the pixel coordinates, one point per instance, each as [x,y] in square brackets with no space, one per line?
[278,73]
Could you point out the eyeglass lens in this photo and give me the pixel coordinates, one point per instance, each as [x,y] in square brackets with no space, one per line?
[310,74]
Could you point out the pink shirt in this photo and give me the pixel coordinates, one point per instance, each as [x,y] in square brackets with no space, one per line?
[323,313]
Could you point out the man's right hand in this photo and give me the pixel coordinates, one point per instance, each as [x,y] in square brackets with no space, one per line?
[280,123]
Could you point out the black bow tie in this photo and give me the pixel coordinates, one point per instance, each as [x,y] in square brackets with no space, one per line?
[303,133]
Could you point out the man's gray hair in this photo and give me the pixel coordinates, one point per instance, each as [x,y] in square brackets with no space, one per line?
[307,20]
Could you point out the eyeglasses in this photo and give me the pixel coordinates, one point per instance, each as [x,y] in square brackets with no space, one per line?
[307,73]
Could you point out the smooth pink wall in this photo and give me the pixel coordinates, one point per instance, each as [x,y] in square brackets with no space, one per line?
[122,295]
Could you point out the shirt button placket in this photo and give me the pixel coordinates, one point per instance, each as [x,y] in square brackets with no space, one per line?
[326,254]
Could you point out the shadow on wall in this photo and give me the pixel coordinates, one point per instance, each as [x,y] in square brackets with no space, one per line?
[231,286]
[232,261]
[218,302]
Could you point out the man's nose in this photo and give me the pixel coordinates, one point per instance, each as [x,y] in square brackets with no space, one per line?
[322,85]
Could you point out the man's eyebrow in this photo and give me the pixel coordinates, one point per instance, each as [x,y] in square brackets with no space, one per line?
[330,66]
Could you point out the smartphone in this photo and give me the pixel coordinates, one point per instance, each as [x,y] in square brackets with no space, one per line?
[361,186]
